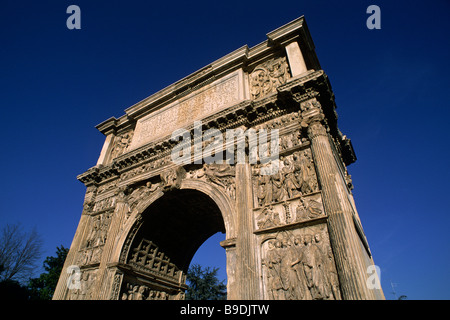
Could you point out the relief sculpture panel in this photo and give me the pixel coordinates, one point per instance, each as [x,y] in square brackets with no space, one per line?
[299,265]
[295,210]
[221,175]
[266,77]
[220,94]
[95,239]
[135,291]
[121,144]
[85,290]
[295,177]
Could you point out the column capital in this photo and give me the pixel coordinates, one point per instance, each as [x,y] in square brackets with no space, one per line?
[316,129]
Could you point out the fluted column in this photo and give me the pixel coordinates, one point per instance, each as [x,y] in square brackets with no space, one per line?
[343,236]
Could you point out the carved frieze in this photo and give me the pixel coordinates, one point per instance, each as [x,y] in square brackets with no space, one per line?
[269,75]
[106,187]
[292,211]
[134,291]
[103,204]
[299,265]
[144,168]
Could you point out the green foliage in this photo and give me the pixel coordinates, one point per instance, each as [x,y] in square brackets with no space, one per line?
[204,284]
[42,288]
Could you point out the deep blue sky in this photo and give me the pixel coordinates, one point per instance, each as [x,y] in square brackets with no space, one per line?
[391,88]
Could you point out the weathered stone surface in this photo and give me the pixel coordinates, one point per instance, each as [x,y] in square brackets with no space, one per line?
[292,230]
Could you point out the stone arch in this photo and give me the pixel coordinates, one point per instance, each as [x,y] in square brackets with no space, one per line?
[222,200]
[146,219]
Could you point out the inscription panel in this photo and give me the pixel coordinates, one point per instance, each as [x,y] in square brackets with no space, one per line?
[214,97]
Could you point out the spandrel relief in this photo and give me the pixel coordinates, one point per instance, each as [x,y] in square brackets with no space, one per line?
[221,175]
[139,193]
[299,265]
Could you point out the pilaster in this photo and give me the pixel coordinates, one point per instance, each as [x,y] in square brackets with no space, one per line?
[246,268]
[104,283]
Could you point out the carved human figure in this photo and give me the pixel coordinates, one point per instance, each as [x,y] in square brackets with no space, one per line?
[277,186]
[284,293]
[94,233]
[290,181]
[268,218]
[265,189]
[308,209]
[332,276]
[278,72]
[299,289]
[300,211]
[314,209]
[141,193]
[260,83]
[314,266]
[121,144]
[84,286]
[210,173]
[169,178]
[139,295]
[306,175]
[272,264]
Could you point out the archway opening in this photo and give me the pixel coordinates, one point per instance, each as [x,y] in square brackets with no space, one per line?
[173,229]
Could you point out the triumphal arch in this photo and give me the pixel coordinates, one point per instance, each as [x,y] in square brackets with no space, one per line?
[248,146]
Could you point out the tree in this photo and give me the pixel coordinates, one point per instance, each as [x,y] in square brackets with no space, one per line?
[42,288]
[19,252]
[203,284]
